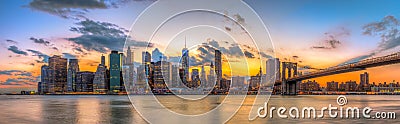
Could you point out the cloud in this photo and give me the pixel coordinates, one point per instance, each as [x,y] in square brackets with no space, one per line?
[102,37]
[15,73]
[11,41]
[55,48]
[239,19]
[74,9]
[333,39]
[15,50]
[69,56]
[67,8]
[20,81]
[387,29]
[248,54]
[40,55]
[40,41]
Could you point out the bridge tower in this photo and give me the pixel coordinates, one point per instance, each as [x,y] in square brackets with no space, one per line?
[289,69]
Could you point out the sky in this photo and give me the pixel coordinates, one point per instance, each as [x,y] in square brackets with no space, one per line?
[315,34]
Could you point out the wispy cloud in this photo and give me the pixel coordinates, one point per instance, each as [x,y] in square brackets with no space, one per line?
[11,41]
[44,58]
[388,30]
[15,50]
[15,73]
[333,39]
[40,41]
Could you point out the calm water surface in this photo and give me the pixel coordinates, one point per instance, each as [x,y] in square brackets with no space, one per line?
[118,109]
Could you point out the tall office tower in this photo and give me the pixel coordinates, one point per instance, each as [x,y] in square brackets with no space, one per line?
[272,69]
[129,59]
[364,78]
[73,68]
[195,78]
[129,69]
[146,57]
[161,74]
[100,78]
[45,78]
[58,74]
[146,62]
[175,76]
[203,76]
[84,81]
[115,71]
[39,87]
[157,55]
[103,60]
[218,68]
[185,64]
[211,76]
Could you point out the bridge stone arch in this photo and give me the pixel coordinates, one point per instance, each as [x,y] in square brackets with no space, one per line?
[289,70]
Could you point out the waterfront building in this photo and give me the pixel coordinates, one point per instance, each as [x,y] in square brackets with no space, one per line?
[218,68]
[100,82]
[84,81]
[332,86]
[115,71]
[58,74]
[45,79]
[73,68]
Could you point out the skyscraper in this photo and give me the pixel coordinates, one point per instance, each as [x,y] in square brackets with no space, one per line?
[364,78]
[203,76]
[58,74]
[115,70]
[273,69]
[146,57]
[84,81]
[162,71]
[218,68]
[73,68]
[39,87]
[211,76]
[185,64]
[129,69]
[129,59]
[100,78]
[45,79]
[103,60]
[195,78]
[175,76]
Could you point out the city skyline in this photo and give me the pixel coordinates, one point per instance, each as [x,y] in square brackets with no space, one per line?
[326,39]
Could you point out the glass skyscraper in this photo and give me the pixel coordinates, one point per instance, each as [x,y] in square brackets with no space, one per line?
[115,70]
[73,68]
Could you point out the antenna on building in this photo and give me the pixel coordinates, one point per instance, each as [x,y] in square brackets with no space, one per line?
[185,41]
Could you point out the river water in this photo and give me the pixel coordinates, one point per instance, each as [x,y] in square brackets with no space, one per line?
[90,109]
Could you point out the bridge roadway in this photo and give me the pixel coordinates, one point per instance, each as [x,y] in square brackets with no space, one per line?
[357,66]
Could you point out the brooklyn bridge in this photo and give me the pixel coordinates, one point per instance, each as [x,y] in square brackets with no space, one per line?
[290,74]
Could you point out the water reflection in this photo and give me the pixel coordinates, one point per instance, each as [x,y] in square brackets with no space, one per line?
[117,109]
